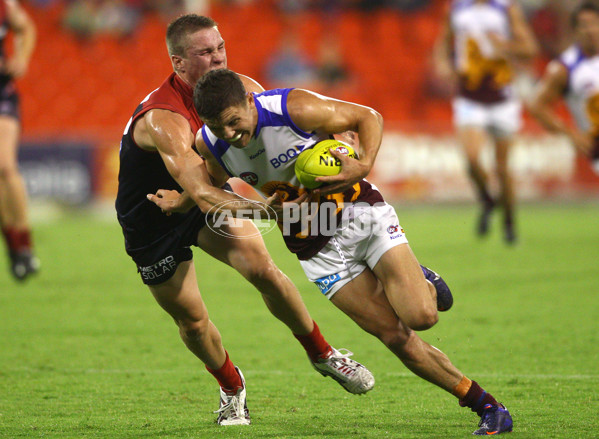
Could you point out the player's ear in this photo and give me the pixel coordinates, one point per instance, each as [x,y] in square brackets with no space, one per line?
[250,99]
[177,62]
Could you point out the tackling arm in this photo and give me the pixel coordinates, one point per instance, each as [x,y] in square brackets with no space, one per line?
[173,139]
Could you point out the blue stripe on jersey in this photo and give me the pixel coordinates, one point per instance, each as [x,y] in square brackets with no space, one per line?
[460,4]
[499,5]
[218,149]
[571,64]
[571,58]
[268,118]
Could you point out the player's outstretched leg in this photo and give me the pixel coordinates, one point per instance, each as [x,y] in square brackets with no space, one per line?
[251,259]
[444,296]
[352,376]
[233,406]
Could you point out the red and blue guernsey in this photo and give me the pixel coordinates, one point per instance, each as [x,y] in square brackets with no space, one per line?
[267,163]
[143,172]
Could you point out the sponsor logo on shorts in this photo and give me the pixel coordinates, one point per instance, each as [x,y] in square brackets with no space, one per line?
[395,231]
[327,282]
[159,269]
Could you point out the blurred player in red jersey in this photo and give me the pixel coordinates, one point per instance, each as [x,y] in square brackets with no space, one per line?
[574,76]
[477,48]
[157,151]
[13,194]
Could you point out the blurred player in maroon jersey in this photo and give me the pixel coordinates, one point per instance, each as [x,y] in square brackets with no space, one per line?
[13,195]
[476,50]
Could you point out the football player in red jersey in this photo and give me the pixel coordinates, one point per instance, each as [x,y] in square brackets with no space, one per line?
[13,194]
[157,151]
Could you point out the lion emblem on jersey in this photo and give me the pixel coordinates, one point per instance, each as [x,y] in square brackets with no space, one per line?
[478,68]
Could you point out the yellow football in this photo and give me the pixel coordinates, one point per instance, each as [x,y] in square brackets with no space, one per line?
[318,162]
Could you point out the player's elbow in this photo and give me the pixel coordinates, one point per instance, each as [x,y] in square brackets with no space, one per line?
[533,106]
[378,116]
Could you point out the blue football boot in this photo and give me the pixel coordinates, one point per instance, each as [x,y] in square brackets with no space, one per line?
[495,420]
[444,296]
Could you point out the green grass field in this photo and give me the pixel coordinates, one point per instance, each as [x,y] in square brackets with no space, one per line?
[85,351]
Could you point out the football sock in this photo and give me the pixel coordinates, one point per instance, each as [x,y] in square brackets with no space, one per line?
[227,376]
[475,397]
[17,240]
[315,344]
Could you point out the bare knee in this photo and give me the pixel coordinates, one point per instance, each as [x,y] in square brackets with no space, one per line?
[423,319]
[261,271]
[193,329]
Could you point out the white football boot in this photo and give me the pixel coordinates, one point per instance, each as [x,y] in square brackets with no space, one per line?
[233,408]
[354,377]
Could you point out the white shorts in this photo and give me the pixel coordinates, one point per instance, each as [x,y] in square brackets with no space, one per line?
[356,245]
[504,118]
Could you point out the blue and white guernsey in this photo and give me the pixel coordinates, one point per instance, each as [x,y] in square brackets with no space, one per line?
[582,91]
[267,163]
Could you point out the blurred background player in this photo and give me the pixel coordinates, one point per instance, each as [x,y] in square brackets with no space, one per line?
[13,194]
[157,151]
[480,42]
[575,77]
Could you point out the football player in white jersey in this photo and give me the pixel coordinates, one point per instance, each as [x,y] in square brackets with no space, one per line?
[372,277]
[575,77]
[476,51]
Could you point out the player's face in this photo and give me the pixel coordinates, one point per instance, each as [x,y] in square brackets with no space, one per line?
[205,52]
[587,31]
[236,124]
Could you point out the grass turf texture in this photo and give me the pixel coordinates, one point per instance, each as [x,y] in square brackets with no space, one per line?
[85,351]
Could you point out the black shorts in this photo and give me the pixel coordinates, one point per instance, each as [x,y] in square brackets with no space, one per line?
[158,261]
[9,99]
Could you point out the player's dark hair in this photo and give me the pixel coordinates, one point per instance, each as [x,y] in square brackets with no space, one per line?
[177,31]
[216,91]
[582,7]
